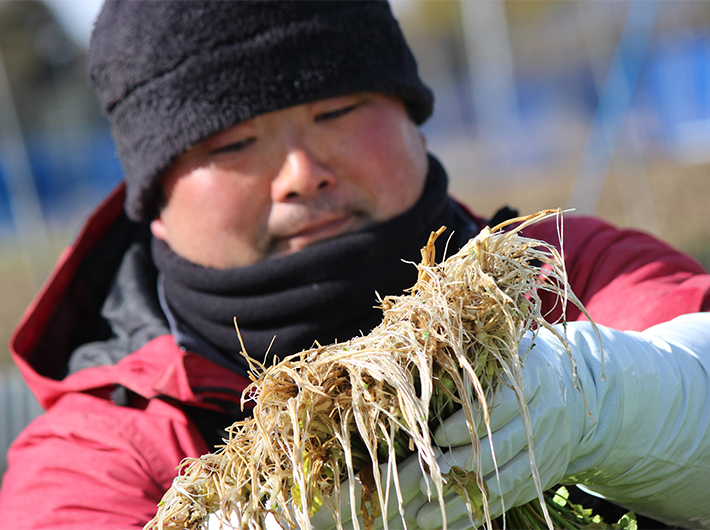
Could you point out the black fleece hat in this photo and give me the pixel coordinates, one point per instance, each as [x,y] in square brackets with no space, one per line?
[169,74]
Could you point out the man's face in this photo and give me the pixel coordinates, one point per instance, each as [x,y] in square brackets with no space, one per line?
[284,180]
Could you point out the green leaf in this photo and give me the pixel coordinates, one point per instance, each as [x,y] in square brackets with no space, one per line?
[628,521]
[561,496]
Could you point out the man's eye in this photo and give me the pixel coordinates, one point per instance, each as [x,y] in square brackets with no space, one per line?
[233,147]
[335,113]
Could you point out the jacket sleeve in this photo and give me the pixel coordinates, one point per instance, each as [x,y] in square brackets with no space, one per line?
[626,279]
[90,464]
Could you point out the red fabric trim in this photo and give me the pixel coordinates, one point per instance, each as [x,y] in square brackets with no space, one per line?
[158,369]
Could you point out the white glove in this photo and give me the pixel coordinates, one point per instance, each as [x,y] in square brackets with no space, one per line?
[646,445]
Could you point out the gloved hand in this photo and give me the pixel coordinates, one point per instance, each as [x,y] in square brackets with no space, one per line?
[642,439]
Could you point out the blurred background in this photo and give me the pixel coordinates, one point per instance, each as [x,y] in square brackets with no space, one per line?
[601,106]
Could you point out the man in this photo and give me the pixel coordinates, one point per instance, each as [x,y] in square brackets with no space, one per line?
[274,173]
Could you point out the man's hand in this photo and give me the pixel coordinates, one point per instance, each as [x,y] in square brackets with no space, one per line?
[636,430]
[638,433]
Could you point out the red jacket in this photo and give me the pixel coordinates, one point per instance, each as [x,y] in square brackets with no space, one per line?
[91,463]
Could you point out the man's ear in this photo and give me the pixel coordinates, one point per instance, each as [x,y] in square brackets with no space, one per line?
[158,228]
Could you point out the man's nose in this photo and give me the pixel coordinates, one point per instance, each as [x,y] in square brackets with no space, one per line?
[302,176]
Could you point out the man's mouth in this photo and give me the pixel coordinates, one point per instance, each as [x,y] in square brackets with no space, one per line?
[318,231]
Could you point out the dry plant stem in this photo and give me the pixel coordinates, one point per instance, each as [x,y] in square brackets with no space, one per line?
[340,411]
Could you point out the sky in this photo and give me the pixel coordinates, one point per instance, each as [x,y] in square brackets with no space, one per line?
[77,16]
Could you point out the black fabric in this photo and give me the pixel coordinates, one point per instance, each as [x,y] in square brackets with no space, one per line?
[131,311]
[172,73]
[326,292]
[212,424]
[504,214]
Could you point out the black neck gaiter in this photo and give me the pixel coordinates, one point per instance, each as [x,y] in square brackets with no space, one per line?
[324,293]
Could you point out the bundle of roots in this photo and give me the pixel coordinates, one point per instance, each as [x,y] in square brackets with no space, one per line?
[341,411]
